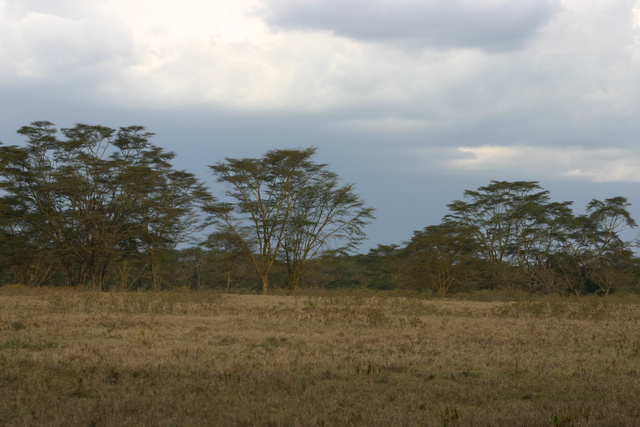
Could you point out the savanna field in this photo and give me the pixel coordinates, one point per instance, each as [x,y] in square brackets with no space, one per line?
[70,357]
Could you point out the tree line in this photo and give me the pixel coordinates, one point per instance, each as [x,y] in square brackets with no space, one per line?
[92,205]
[511,235]
[105,208]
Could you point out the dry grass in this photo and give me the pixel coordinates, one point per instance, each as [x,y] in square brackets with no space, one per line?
[178,358]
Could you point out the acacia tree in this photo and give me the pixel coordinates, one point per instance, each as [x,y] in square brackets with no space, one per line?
[168,214]
[96,195]
[326,220]
[439,255]
[593,250]
[538,236]
[228,256]
[512,223]
[24,250]
[286,205]
[381,267]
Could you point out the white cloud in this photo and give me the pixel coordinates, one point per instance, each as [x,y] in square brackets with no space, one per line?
[597,165]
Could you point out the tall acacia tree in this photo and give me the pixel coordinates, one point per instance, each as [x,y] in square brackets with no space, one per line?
[286,205]
[326,219]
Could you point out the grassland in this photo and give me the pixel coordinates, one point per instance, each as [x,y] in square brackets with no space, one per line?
[81,358]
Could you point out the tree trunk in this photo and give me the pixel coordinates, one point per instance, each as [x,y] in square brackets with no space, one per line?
[294,282]
[155,274]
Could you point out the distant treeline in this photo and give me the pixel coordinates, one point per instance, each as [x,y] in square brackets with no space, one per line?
[105,208]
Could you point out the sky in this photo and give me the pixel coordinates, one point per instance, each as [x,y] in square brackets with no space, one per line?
[413,101]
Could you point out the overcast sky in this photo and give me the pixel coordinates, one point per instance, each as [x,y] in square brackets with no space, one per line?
[414,101]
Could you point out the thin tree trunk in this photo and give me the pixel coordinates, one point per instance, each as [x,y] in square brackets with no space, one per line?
[155,276]
[294,282]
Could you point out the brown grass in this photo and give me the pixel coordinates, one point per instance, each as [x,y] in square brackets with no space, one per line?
[80,358]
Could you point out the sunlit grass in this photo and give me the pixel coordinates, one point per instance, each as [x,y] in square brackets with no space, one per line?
[70,357]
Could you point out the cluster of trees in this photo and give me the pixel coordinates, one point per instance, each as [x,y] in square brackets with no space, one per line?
[510,235]
[78,209]
[97,206]
[92,205]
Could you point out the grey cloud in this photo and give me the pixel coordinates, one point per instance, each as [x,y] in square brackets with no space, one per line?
[486,25]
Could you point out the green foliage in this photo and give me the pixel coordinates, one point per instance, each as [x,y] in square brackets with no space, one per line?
[84,200]
[528,242]
[543,248]
[343,283]
[285,207]
[592,253]
[439,257]
[381,284]
[91,205]
[513,224]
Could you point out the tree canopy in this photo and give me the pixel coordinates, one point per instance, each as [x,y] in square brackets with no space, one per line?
[285,207]
[79,199]
[513,236]
[103,207]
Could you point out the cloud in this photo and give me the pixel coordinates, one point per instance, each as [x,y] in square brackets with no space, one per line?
[43,50]
[387,125]
[490,25]
[596,164]
[577,81]
[162,55]
[387,89]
